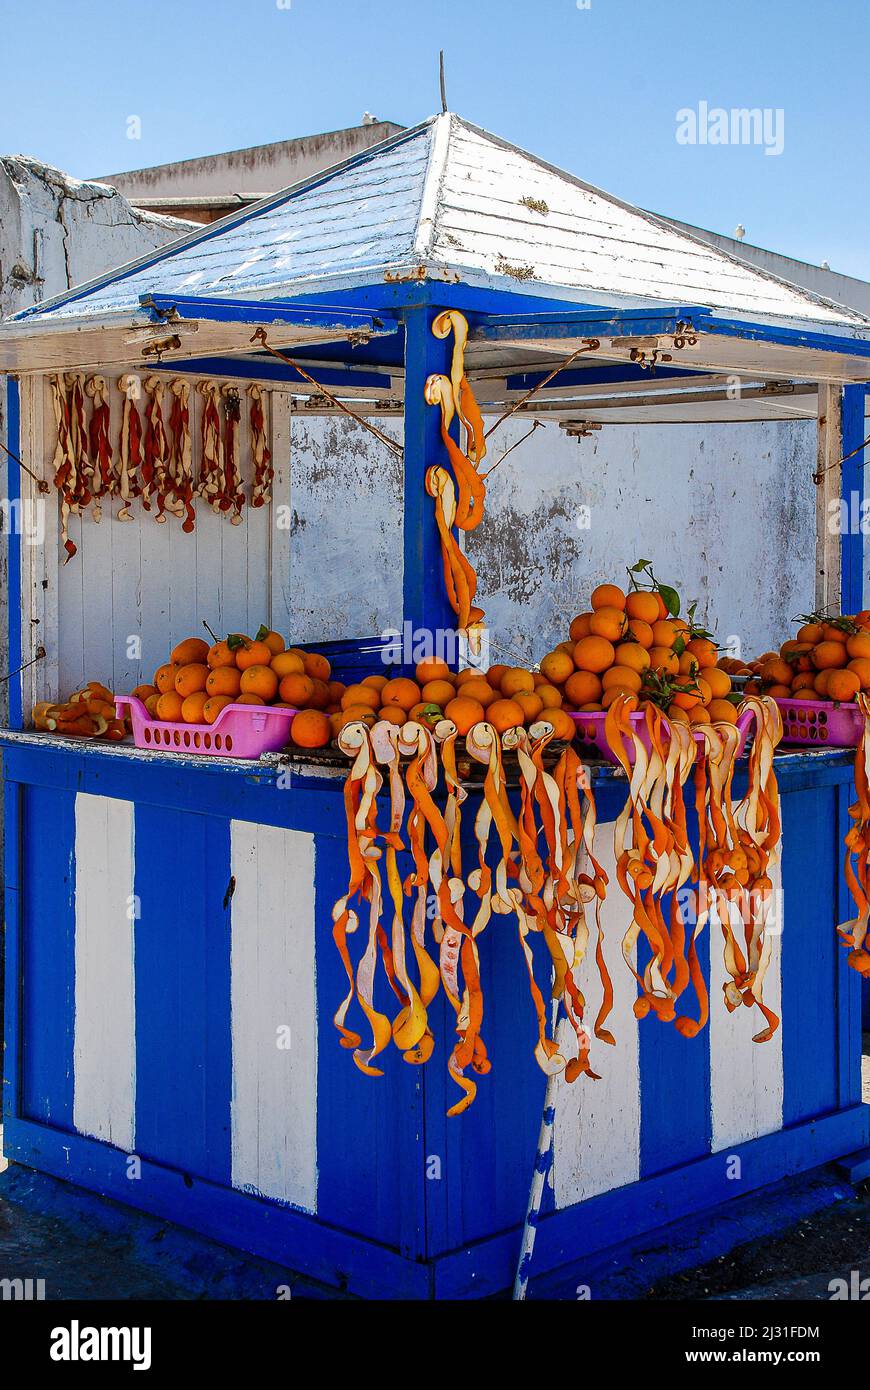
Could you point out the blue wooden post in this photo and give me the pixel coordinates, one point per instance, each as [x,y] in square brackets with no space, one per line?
[424,593]
[852,556]
[13,493]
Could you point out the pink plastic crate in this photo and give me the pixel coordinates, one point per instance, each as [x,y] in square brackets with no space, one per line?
[821,723]
[240,731]
[590,729]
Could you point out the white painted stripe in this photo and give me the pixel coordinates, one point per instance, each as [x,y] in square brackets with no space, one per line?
[745,1077]
[274,1014]
[596,1136]
[104,1054]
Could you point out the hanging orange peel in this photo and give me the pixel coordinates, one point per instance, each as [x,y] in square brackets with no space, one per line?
[854,932]
[540,877]
[458,492]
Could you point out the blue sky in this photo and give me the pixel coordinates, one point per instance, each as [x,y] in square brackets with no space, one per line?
[595,90]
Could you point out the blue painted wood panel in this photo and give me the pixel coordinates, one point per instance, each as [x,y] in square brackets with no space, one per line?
[182,963]
[47,955]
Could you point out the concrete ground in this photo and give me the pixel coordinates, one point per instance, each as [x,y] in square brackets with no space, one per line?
[789,1243]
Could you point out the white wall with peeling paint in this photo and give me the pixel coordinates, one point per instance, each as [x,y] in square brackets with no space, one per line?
[725,512]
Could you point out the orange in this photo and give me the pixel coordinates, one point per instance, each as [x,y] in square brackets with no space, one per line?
[515,679]
[164,677]
[311,728]
[843,686]
[192,649]
[776,672]
[688,664]
[432,668]
[821,683]
[221,654]
[608,622]
[336,689]
[583,687]
[778,692]
[610,695]
[556,667]
[144,692]
[531,705]
[804,680]
[706,692]
[317,667]
[678,715]
[623,676]
[564,647]
[632,654]
[698,714]
[563,725]
[224,680]
[401,691]
[354,713]
[192,708]
[376,682]
[858,645]
[831,633]
[319,697]
[549,695]
[253,654]
[260,680]
[440,692]
[722,711]
[505,714]
[643,606]
[474,673]
[861,667]
[296,690]
[479,690]
[393,714]
[287,664]
[353,695]
[580,626]
[608,596]
[169,706]
[664,634]
[664,659]
[213,706]
[591,708]
[810,632]
[250,699]
[642,633]
[273,640]
[704,650]
[830,655]
[151,705]
[190,679]
[593,654]
[493,675]
[719,682]
[464,713]
[686,699]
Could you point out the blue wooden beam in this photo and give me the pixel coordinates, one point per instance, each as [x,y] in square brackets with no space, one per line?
[267,368]
[425,603]
[261,311]
[13,492]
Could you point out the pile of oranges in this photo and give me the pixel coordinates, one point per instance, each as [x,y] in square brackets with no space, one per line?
[508,697]
[632,644]
[829,659]
[198,681]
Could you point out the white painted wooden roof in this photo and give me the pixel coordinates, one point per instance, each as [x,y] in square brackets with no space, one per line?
[465,205]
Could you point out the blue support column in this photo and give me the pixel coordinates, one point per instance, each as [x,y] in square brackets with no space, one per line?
[13,492]
[852,557]
[424,594]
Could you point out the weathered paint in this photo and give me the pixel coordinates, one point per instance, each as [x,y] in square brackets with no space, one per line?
[274,1015]
[104,1057]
